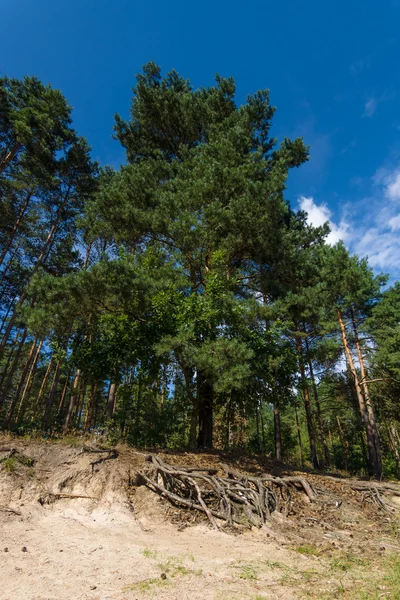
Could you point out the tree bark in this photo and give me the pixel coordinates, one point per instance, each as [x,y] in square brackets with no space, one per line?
[277,434]
[111,402]
[299,435]
[50,400]
[24,373]
[72,401]
[14,365]
[29,382]
[318,407]
[205,411]
[372,460]
[307,406]
[38,263]
[368,401]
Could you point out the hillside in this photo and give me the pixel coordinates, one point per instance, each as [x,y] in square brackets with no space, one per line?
[75,524]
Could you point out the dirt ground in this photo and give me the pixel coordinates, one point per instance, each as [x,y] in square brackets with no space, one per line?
[123,542]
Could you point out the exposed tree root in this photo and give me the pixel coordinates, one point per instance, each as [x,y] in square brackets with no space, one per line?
[112,453]
[233,498]
[374,492]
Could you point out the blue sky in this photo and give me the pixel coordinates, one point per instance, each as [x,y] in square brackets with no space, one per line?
[332,69]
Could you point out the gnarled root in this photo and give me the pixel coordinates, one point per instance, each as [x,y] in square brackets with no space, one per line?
[233,497]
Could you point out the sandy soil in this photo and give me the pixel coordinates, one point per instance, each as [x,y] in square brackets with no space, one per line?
[125,543]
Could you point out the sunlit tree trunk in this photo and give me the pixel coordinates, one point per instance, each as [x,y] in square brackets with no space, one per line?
[372,460]
[318,407]
[307,405]
[277,434]
[368,401]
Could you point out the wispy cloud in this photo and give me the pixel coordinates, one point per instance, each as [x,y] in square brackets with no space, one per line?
[372,102]
[370,226]
[319,214]
[370,107]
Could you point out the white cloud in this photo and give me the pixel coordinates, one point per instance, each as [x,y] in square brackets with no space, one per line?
[320,214]
[393,188]
[394,223]
[372,102]
[370,107]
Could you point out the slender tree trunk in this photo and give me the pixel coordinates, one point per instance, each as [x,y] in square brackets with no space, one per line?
[38,263]
[29,382]
[277,434]
[368,401]
[111,402]
[5,271]
[24,373]
[43,387]
[79,408]
[393,440]
[258,429]
[72,402]
[64,392]
[264,445]
[205,411]
[194,411]
[372,460]
[318,407]
[14,365]
[90,408]
[344,443]
[9,359]
[50,400]
[299,435]
[307,406]
[16,226]
[10,306]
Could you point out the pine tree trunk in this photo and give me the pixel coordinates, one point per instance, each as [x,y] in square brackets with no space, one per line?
[299,436]
[372,460]
[205,411]
[318,407]
[10,306]
[72,401]
[393,440]
[43,387]
[50,400]
[64,392]
[277,434]
[344,443]
[111,402]
[39,262]
[307,406]
[14,365]
[264,445]
[79,408]
[368,401]
[90,408]
[5,271]
[24,373]
[9,359]
[29,383]
[16,226]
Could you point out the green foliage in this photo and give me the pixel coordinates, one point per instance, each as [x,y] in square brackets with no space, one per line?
[179,300]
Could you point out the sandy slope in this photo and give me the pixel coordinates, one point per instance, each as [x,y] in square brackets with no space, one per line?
[125,543]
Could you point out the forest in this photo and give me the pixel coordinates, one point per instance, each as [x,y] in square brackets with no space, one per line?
[181,300]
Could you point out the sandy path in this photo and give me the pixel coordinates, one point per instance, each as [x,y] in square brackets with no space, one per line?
[74,554]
